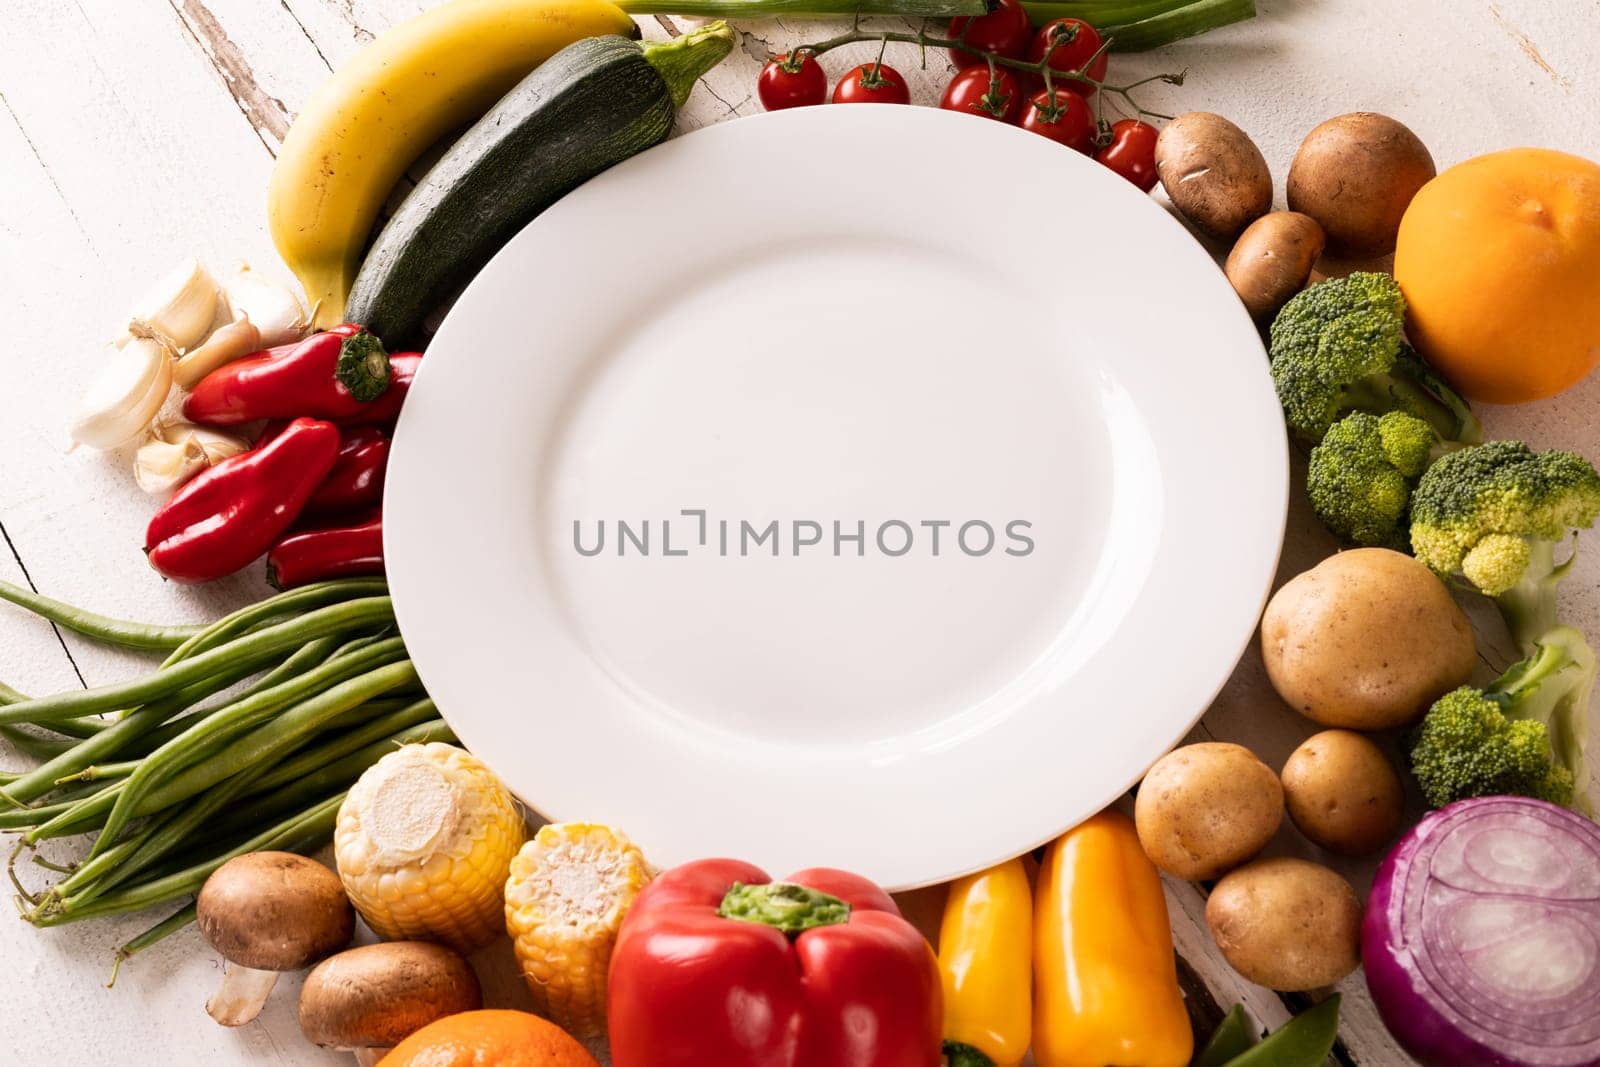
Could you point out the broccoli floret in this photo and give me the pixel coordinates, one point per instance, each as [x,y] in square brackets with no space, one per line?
[1525,733]
[1361,476]
[1466,748]
[1337,348]
[1494,513]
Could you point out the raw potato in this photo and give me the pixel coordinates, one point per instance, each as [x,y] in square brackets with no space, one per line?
[1356,175]
[1342,793]
[1272,261]
[1365,640]
[1204,809]
[1213,173]
[1287,924]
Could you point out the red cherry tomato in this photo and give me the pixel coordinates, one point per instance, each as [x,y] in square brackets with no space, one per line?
[974,92]
[1002,32]
[1075,43]
[872,83]
[1132,152]
[780,87]
[1066,119]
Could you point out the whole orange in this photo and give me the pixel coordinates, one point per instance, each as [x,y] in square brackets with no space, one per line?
[1499,259]
[489,1038]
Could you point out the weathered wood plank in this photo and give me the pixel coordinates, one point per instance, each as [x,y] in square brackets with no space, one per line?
[135,132]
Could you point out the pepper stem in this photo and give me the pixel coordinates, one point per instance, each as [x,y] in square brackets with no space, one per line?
[958,1055]
[783,906]
[363,366]
[683,60]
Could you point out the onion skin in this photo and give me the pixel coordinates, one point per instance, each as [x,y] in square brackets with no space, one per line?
[1392,948]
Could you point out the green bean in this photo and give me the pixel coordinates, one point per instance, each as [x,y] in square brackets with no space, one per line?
[138,722]
[99,772]
[24,818]
[33,745]
[148,791]
[74,728]
[140,635]
[322,753]
[159,932]
[262,806]
[62,801]
[274,610]
[155,840]
[79,816]
[317,666]
[87,814]
[302,832]
[334,619]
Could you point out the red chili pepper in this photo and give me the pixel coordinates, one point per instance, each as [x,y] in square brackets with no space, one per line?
[717,964]
[386,409]
[230,514]
[339,375]
[331,552]
[356,480]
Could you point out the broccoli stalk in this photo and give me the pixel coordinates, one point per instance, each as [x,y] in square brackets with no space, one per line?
[1493,514]
[1337,348]
[1525,733]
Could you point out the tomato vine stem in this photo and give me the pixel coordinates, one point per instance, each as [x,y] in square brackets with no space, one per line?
[1050,75]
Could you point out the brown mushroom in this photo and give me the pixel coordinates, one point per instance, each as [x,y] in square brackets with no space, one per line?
[1272,260]
[1213,173]
[1356,174]
[269,912]
[367,999]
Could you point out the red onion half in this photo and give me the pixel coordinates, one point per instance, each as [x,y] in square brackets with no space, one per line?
[1482,937]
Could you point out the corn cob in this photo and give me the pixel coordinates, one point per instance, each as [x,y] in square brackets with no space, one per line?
[569,890]
[424,843]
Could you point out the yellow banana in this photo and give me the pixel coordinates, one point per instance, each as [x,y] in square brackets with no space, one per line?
[410,86]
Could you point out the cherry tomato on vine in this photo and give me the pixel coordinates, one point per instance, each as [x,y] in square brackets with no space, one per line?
[1002,32]
[1075,43]
[974,92]
[1132,152]
[1065,119]
[872,83]
[792,82]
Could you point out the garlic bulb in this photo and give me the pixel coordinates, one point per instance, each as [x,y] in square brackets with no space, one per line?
[124,395]
[226,344]
[274,308]
[178,451]
[179,309]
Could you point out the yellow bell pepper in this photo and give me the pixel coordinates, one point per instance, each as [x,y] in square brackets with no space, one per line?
[986,961]
[1106,981]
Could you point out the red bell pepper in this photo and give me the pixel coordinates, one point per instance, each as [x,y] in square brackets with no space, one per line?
[338,375]
[316,554]
[356,480]
[231,513]
[717,964]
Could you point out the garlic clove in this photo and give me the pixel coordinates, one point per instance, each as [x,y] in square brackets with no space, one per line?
[179,309]
[226,344]
[178,451]
[274,308]
[124,395]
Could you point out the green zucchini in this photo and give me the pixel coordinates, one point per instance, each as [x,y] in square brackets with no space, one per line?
[589,106]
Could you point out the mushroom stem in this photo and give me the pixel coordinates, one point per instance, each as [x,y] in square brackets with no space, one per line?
[369,1057]
[243,992]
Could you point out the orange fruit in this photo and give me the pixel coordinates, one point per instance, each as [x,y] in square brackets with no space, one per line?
[1499,259]
[489,1038]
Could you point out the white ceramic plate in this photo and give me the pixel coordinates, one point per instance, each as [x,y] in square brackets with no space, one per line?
[891,316]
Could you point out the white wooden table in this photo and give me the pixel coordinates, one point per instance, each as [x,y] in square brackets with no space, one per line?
[134,132]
